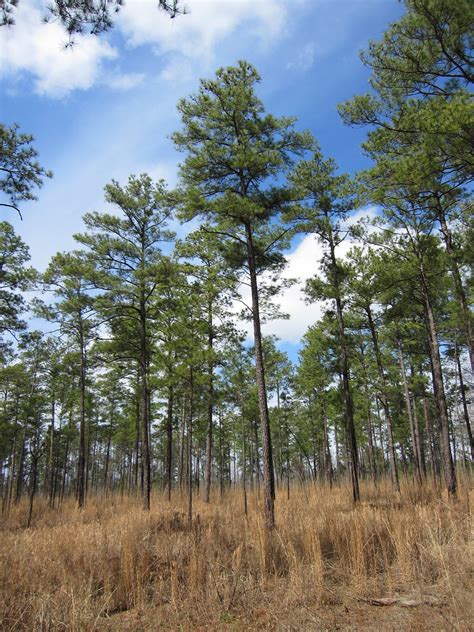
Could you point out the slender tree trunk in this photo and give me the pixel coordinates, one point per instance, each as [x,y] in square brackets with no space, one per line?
[439,393]
[11,478]
[279,455]
[137,431]
[190,445]
[51,457]
[169,442]
[384,400]
[418,440]
[336,441]
[21,465]
[34,480]
[106,469]
[327,451]
[464,402]
[372,467]
[144,404]
[452,433]
[268,474]
[210,404]
[348,404]
[81,471]
[410,414]
[221,456]
[181,446]
[257,456]
[429,435]
[244,454]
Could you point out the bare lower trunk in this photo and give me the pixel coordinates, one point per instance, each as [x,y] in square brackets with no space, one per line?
[169,442]
[464,403]
[373,470]
[439,393]
[268,475]
[210,407]
[190,448]
[81,471]
[410,414]
[418,440]
[351,440]
[51,458]
[427,420]
[384,400]
[244,457]
[145,405]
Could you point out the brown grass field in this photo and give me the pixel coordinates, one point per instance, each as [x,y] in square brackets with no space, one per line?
[114,567]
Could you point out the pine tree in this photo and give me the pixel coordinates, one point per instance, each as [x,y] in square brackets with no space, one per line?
[235,153]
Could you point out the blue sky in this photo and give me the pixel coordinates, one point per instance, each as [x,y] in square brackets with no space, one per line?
[105,108]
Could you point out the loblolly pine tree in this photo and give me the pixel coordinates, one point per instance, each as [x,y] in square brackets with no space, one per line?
[125,251]
[363,290]
[326,200]
[236,156]
[315,373]
[414,258]
[69,277]
[218,285]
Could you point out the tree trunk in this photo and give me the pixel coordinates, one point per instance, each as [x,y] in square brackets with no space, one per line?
[464,402]
[35,455]
[384,400]
[51,458]
[438,387]
[426,417]
[410,414]
[106,469]
[81,470]
[169,442]
[419,440]
[268,475]
[348,404]
[210,405]
[144,406]
[190,446]
[21,465]
[137,432]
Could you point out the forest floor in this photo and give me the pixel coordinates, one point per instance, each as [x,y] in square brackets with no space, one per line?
[390,563]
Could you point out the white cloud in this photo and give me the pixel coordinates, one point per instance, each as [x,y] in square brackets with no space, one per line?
[304,263]
[368,212]
[37,48]
[197,34]
[125,81]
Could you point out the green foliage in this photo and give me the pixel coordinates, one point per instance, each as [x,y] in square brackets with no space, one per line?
[15,278]
[20,172]
[421,108]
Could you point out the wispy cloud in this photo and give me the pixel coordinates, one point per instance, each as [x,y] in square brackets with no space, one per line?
[126,81]
[303,59]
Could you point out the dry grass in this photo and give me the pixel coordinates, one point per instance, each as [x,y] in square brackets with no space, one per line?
[113,567]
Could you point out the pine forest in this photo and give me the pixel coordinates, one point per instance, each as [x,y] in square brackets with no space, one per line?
[166,461]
